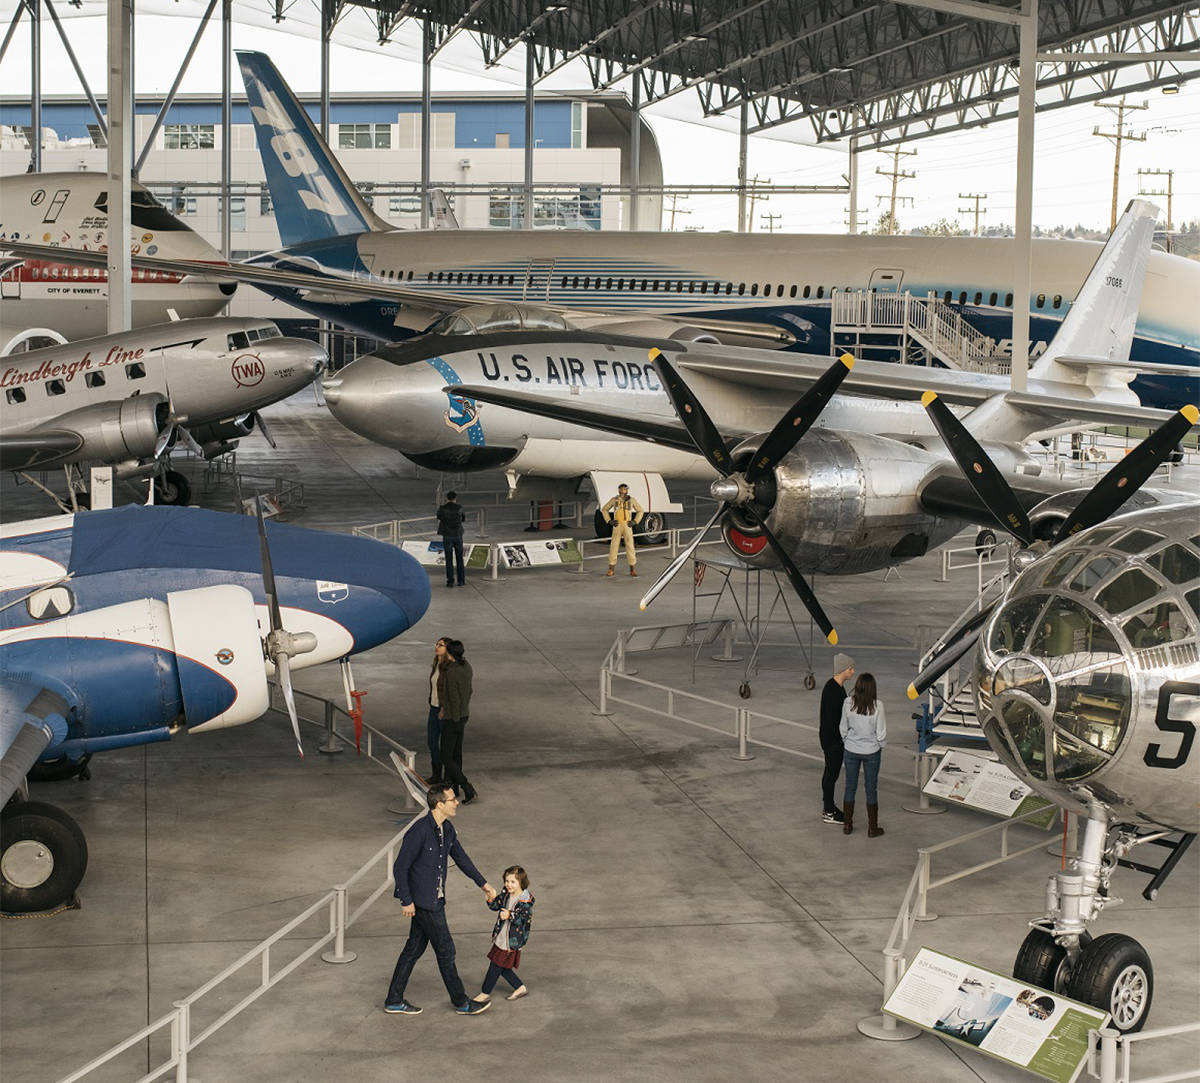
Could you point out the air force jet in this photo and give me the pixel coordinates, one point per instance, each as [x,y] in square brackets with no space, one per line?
[126,399]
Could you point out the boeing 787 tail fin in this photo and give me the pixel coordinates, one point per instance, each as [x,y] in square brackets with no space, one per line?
[312,195]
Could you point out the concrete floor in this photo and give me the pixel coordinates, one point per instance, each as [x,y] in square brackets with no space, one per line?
[695,919]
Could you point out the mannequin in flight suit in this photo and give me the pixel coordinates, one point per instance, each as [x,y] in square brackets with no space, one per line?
[625,513]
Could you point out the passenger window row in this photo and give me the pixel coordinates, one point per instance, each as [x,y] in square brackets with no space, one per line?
[135,370]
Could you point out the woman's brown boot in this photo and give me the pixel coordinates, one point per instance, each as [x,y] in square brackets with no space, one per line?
[848,812]
[873,828]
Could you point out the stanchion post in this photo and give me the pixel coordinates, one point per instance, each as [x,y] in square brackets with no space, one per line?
[605,693]
[482,528]
[1110,1044]
[331,743]
[339,953]
[742,720]
[184,1026]
[923,807]
[887,1028]
[727,654]
[923,912]
[494,557]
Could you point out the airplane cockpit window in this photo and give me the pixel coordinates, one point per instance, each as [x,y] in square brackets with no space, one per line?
[237,341]
[1158,625]
[1127,590]
[1061,568]
[1177,563]
[1011,629]
[1137,541]
[1192,597]
[1095,570]
[50,603]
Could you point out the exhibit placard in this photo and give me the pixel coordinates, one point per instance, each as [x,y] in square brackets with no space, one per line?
[988,786]
[539,554]
[1044,1033]
[432,554]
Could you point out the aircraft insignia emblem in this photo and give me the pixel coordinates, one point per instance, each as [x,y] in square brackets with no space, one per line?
[332,593]
[37,196]
[247,370]
[463,413]
[224,656]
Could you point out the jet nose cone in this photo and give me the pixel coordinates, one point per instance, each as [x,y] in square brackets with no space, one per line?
[397,405]
[302,355]
[331,385]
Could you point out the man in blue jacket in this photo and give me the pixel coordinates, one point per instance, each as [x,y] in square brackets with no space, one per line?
[420,872]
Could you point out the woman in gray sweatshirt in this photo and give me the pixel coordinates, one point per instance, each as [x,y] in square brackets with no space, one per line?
[864,733]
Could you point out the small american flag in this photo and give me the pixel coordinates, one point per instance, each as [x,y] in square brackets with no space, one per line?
[698,574]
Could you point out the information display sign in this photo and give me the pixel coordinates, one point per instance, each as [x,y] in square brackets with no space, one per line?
[987,786]
[1042,1032]
[539,554]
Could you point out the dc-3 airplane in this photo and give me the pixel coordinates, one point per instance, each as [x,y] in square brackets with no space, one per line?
[343,263]
[1086,677]
[870,486]
[133,625]
[126,399]
[45,297]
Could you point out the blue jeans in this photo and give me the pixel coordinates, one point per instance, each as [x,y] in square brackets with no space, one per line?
[495,973]
[452,546]
[433,736]
[428,927]
[870,767]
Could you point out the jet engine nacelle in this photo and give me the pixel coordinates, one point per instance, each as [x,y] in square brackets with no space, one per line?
[842,504]
[114,431]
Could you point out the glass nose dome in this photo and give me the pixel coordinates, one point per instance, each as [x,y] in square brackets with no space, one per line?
[1054,688]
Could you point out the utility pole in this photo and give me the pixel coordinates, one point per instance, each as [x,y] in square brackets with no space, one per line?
[1168,192]
[897,175]
[862,223]
[978,197]
[754,198]
[771,219]
[1117,137]
[675,210]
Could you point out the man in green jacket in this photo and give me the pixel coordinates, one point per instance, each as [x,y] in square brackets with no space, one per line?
[454,695]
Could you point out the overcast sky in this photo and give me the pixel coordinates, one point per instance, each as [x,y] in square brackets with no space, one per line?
[1073,171]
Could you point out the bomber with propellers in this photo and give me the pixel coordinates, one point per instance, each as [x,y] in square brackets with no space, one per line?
[130,626]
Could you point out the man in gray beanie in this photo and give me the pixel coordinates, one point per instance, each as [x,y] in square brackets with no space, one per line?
[833,695]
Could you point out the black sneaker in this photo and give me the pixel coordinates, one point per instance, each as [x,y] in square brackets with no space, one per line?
[402,1007]
[472,1007]
[834,817]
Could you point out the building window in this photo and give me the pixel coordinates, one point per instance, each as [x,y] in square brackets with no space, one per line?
[404,205]
[577,124]
[364,137]
[189,136]
[505,209]
[265,207]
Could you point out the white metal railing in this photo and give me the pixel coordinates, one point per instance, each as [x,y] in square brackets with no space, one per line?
[395,531]
[997,553]
[179,1021]
[740,719]
[915,907]
[1110,1054]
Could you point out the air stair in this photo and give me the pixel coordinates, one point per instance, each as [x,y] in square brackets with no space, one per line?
[916,330]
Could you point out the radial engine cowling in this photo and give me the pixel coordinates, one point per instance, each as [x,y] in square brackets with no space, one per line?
[218,432]
[113,432]
[842,504]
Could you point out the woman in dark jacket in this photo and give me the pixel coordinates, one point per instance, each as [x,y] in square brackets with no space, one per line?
[454,693]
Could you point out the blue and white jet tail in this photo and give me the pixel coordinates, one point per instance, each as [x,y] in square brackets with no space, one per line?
[312,195]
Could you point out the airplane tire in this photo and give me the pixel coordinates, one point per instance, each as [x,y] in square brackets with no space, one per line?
[1042,962]
[985,542]
[1115,975]
[43,856]
[653,529]
[172,489]
[57,770]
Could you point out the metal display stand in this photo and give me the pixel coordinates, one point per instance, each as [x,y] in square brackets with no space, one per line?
[750,607]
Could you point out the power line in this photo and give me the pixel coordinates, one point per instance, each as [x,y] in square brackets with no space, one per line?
[1117,137]
[897,175]
[675,210]
[978,197]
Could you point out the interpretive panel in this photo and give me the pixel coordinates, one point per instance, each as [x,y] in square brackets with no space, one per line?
[1042,1032]
[539,554]
[987,786]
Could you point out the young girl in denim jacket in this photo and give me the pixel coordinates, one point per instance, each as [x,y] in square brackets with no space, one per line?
[511,933]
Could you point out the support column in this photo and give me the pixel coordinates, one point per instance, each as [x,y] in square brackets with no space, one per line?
[35,84]
[226,126]
[132,84]
[120,152]
[852,180]
[426,113]
[529,138]
[743,154]
[1023,241]
[326,34]
[635,156]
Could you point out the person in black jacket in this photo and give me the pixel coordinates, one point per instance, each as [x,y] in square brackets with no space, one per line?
[454,692]
[833,695]
[450,527]
[420,874]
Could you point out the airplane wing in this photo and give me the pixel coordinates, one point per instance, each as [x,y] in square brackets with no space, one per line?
[33,451]
[667,433]
[32,717]
[325,288]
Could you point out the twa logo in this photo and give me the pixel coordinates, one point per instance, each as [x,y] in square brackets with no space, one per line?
[247,370]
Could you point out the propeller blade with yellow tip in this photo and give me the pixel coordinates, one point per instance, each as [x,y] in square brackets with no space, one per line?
[1129,475]
[709,442]
[798,420]
[981,473]
[955,644]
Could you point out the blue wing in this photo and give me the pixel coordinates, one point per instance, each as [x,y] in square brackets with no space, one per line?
[33,716]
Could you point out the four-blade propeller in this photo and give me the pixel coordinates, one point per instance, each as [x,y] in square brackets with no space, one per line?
[1101,501]
[739,490]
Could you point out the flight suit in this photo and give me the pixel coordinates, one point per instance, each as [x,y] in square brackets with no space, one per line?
[624,512]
